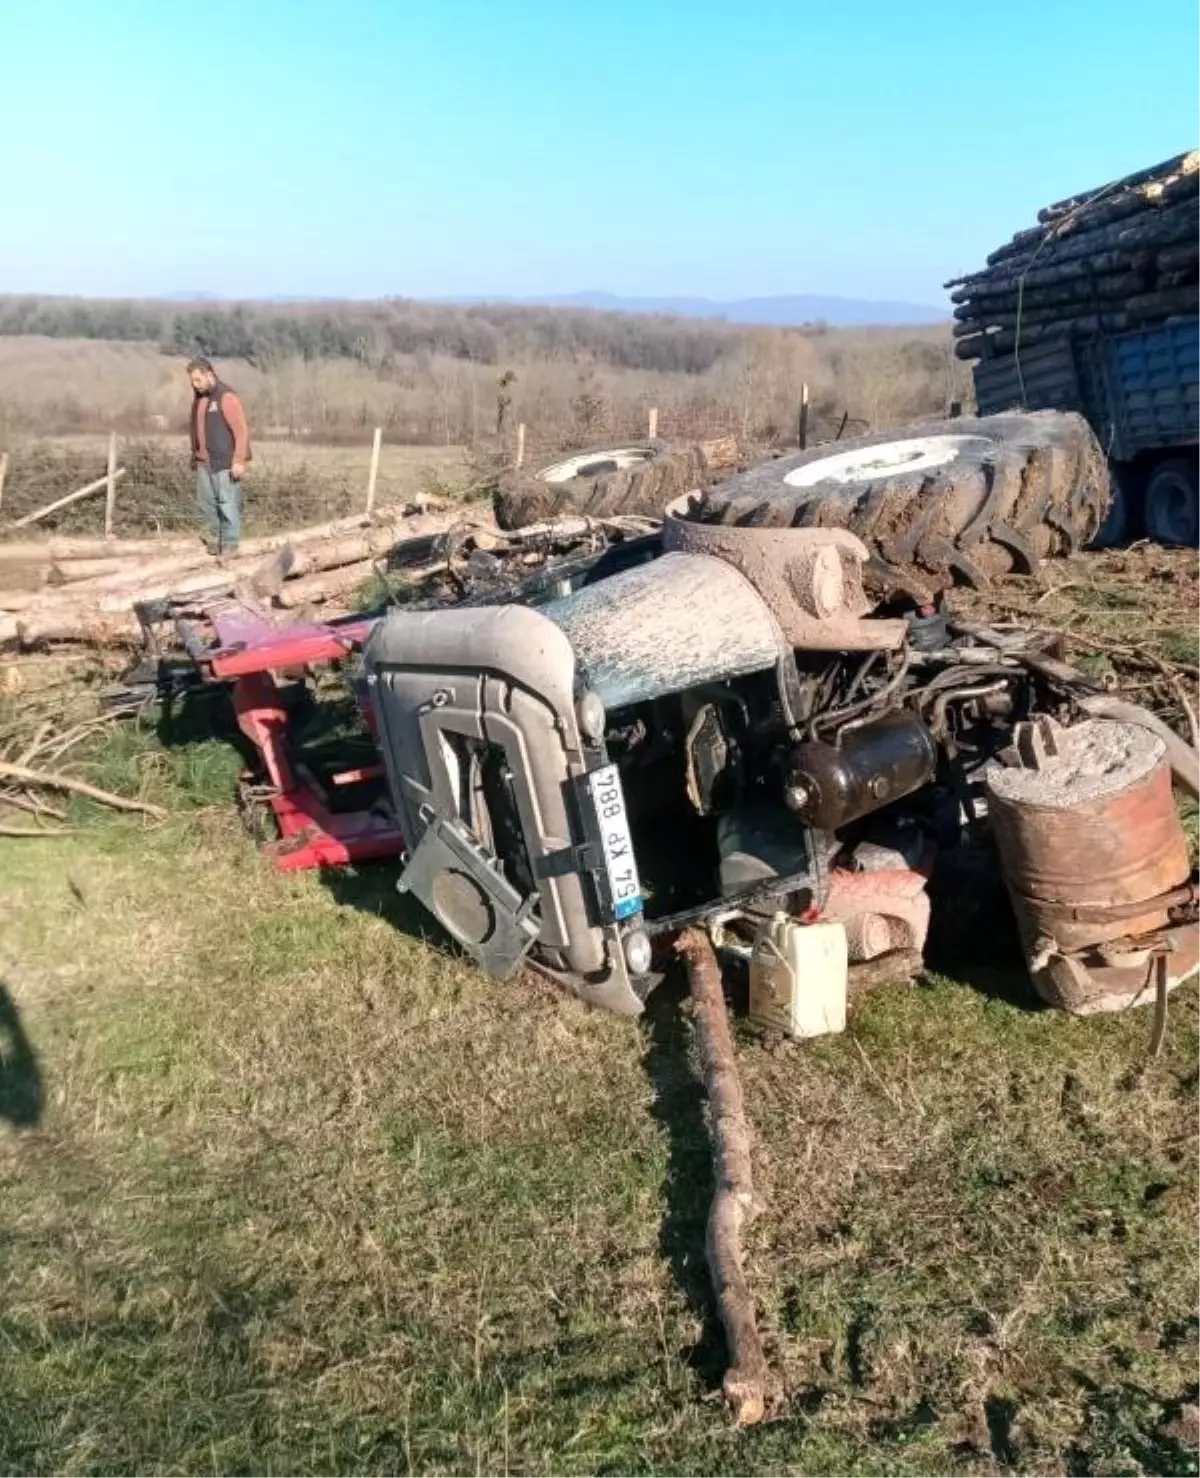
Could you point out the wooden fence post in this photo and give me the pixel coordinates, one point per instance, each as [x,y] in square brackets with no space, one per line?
[110,485]
[3,471]
[374,473]
[652,432]
[520,444]
[802,428]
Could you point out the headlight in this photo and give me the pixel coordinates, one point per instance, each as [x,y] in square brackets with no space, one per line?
[636,945]
[589,712]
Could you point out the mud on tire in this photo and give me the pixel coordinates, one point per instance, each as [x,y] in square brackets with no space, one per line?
[630,478]
[946,502]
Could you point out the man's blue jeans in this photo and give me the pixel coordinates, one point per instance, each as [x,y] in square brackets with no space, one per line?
[220,500]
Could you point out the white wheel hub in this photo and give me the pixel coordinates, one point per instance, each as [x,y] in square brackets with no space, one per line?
[624,457]
[887,459]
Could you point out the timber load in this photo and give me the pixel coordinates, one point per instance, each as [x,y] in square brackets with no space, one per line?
[1113,259]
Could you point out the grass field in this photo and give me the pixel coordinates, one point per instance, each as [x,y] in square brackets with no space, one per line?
[285,1187]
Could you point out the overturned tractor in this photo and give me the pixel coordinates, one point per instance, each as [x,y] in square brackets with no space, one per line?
[762,710]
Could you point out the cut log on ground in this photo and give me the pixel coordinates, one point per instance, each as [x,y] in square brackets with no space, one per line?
[748,1384]
[90,628]
[63,550]
[330,554]
[59,547]
[324,585]
[99,610]
[19,600]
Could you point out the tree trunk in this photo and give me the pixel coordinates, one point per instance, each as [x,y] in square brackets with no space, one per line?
[748,1385]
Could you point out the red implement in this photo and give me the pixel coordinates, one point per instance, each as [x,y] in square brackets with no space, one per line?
[247,653]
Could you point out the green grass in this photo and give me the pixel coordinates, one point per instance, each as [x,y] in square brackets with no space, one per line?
[307,1194]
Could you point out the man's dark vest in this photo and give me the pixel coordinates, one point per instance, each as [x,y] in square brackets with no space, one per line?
[218,435]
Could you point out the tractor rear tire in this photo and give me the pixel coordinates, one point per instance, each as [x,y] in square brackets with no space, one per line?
[942,503]
[617,479]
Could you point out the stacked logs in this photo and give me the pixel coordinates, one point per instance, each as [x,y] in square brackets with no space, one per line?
[1120,257]
[84,590]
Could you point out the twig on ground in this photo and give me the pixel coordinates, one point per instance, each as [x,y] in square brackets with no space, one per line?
[1168,671]
[33,804]
[79,787]
[1056,590]
[35,743]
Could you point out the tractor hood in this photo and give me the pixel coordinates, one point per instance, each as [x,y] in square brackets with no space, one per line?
[662,627]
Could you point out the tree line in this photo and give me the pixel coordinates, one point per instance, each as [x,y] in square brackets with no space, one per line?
[379,333]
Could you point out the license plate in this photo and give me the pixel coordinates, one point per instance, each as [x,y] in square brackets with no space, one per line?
[617,841]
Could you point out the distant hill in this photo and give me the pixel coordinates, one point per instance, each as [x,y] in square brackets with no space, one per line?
[796,309]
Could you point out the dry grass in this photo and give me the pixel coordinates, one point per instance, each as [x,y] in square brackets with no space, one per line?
[287,484]
[286,1188]
[877,377]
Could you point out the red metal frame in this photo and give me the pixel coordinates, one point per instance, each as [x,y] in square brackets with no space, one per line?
[247,653]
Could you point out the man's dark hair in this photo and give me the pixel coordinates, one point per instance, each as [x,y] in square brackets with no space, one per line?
[199,362]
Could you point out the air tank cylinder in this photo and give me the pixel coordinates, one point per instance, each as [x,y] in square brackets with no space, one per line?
[829,785]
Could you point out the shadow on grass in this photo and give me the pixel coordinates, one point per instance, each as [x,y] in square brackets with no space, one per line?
[678,1105]
[370,887]
[1125,1420]
[972,931]
[196,715]
[21,1096]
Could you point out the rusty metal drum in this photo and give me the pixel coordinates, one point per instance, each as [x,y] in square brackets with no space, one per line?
[1094,857]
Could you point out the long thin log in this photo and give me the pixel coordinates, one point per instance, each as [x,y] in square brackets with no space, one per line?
[1079,275]
[53,781]
[112,595]
[84,492]
[1187,162]
[89,628]
[19,600]
[1137,307]
[349,549]
[102,574]
[324,585]
[747,1385]
[327,548]
[1169,227]
[1140,209]
[60,548]
[1109,287]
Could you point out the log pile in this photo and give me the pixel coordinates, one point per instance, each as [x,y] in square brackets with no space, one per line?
[1120,257]
[84,590]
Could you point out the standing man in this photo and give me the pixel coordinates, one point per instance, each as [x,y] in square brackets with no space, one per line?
[220,451]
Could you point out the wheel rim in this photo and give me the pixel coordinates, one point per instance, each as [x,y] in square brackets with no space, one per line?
[886,459]
[624,458]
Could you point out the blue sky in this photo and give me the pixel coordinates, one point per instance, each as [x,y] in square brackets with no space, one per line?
[725,148]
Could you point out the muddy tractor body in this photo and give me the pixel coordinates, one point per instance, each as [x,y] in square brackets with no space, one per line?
[713,734]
